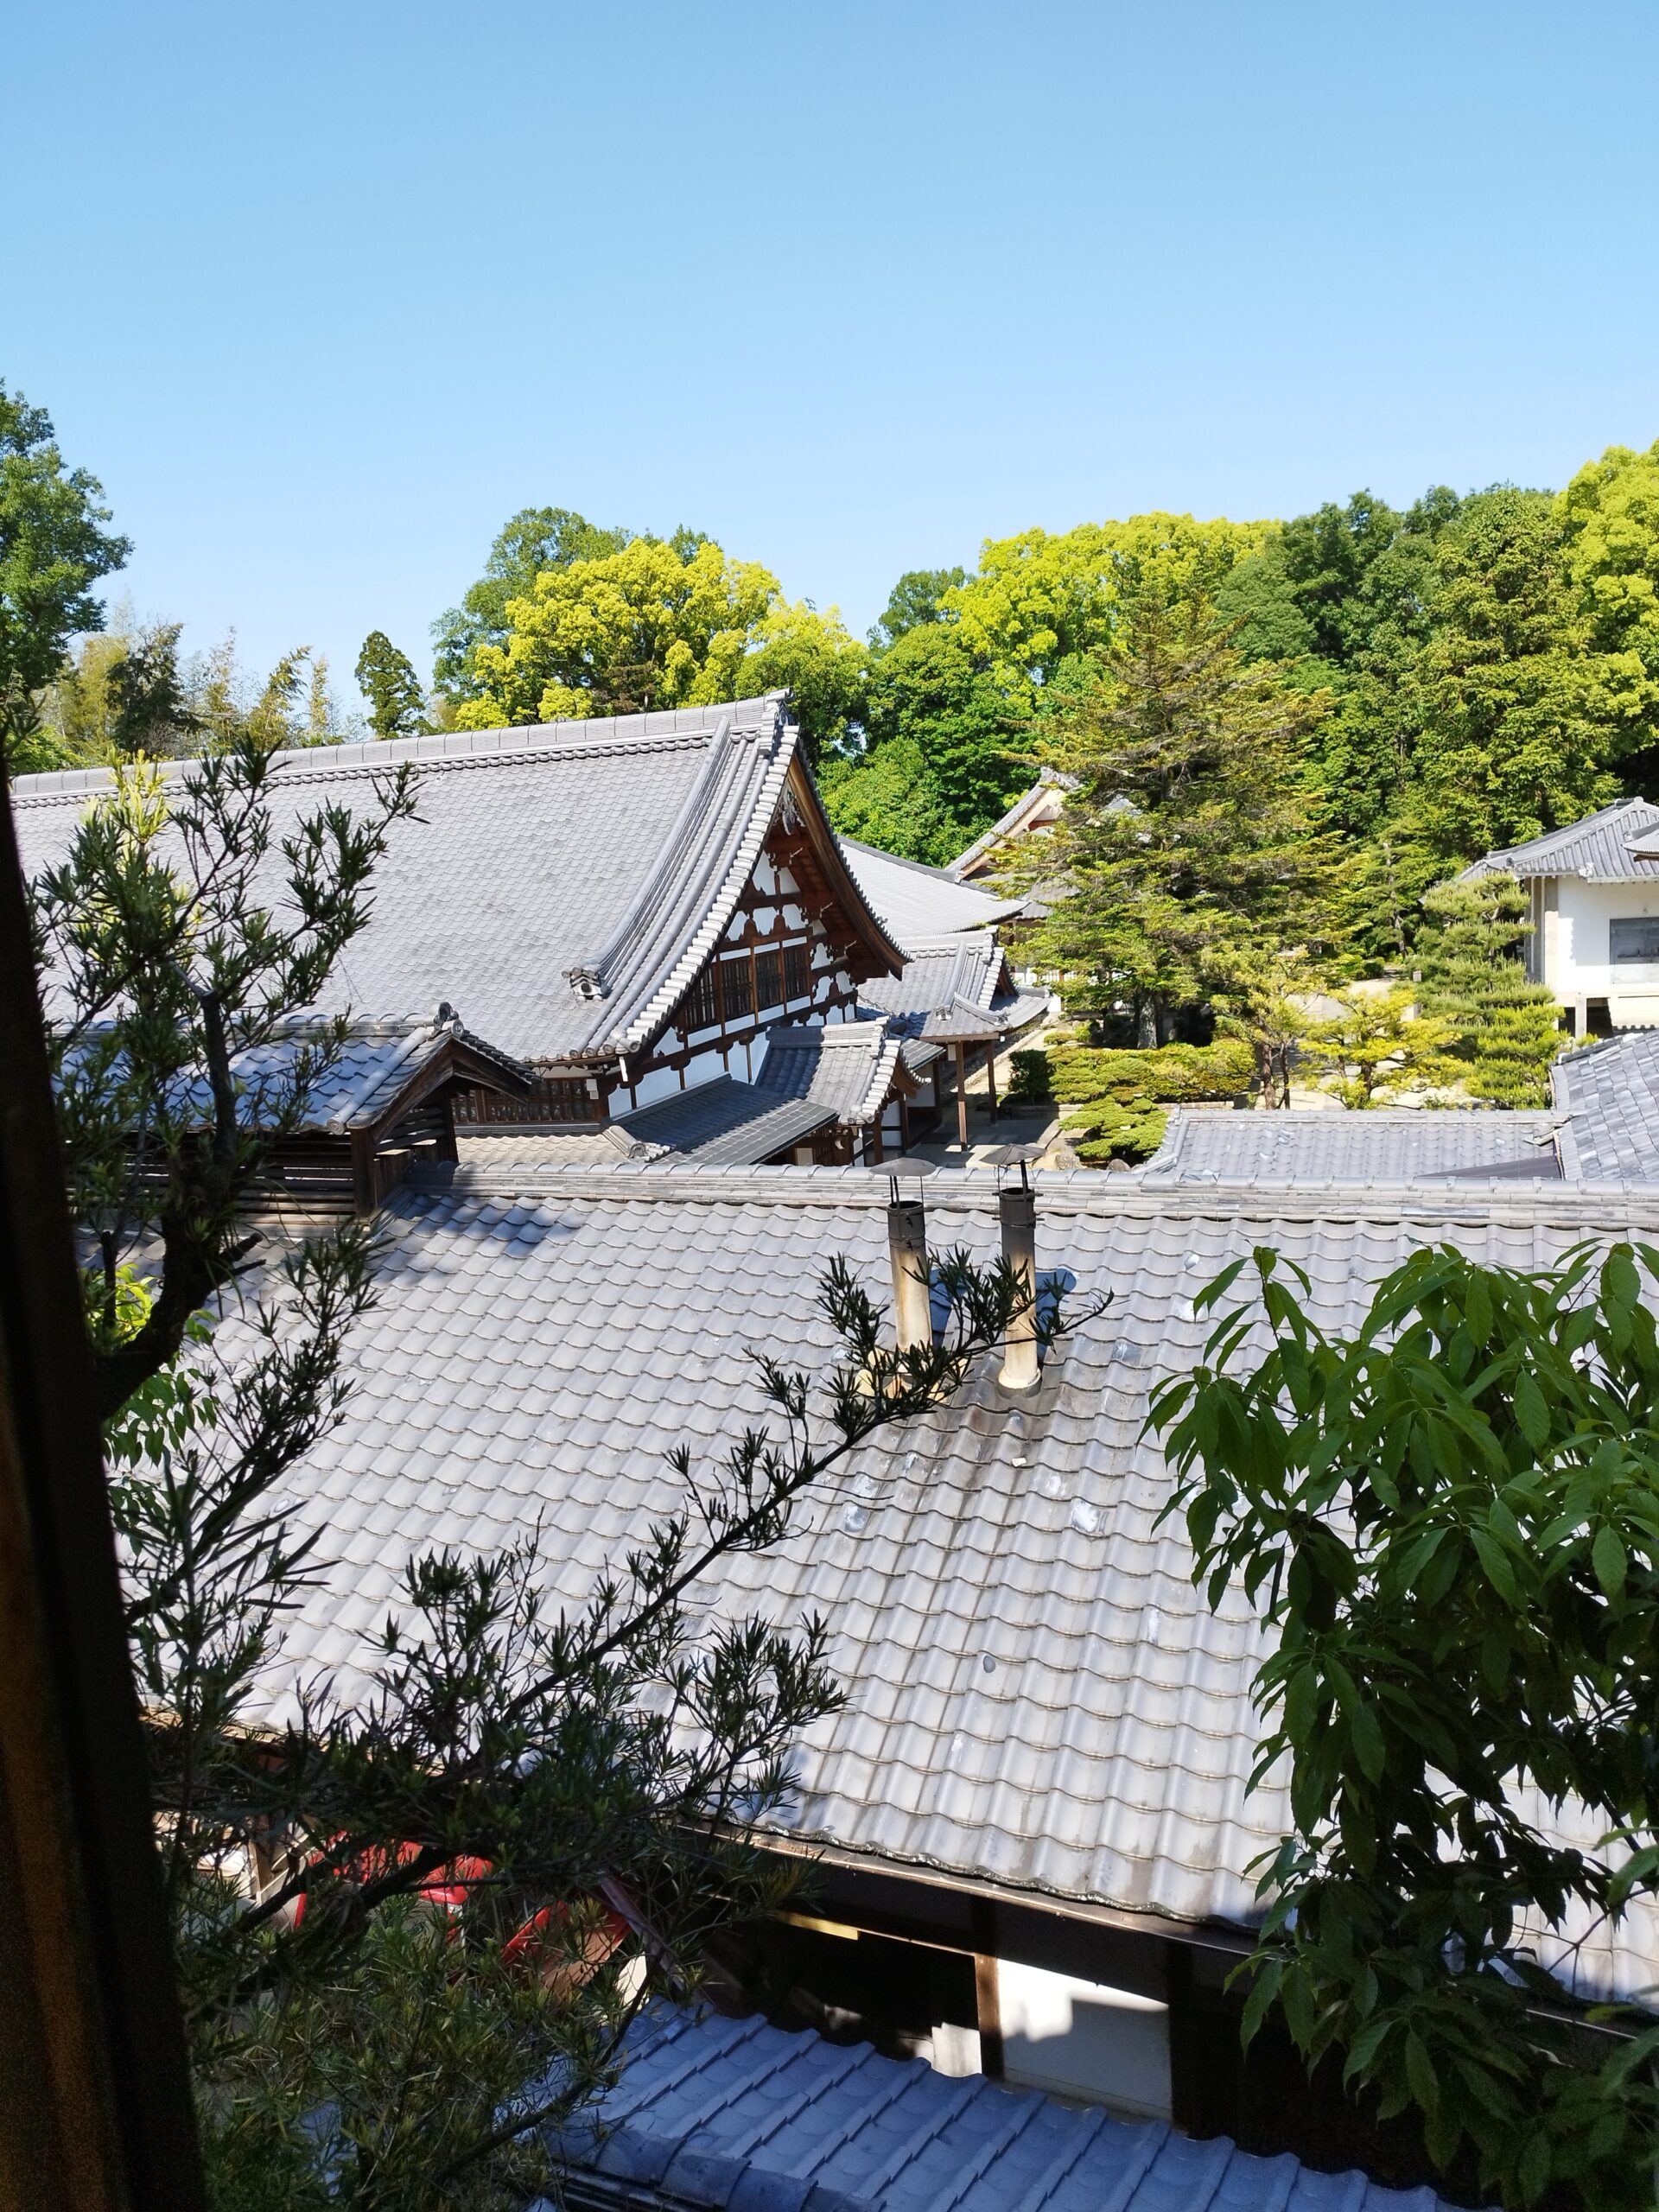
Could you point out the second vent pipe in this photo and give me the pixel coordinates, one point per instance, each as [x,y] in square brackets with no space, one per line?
[1016,1206]
[912,1299]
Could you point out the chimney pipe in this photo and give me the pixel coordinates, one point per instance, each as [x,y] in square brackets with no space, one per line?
[912,1302]
[1017,1208]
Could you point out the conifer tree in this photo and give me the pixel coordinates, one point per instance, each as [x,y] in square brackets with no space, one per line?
[1188,845]
[387,680]
[1471,976]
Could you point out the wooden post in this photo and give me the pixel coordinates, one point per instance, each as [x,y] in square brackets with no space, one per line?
[990,1074]
[987,2003]
[962,1094]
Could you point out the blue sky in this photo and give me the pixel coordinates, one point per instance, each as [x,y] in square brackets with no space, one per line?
[323,294]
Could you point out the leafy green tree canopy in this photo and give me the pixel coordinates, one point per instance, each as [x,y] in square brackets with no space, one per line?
[533,540]
[644,628]
[915,599]
[387,680]
[1451,1523]
[53,548]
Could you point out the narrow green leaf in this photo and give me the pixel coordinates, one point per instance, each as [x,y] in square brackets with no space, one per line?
[1607,1557]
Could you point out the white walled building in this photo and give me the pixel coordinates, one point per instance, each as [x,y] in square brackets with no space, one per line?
[1595,887]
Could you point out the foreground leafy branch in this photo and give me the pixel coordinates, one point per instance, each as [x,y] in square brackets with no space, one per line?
[568,1796]
[1451,1525]
[178,933]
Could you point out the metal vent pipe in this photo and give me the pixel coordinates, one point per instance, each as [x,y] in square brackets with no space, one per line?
[912,1303]
[1016,1208]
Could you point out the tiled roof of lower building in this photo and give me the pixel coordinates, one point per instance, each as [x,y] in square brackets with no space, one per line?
[1368,1150]
[719,2116]
[1039,1700]
[1608,1094]
[562,884]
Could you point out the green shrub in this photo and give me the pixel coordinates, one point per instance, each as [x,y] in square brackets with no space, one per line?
[1123,1092]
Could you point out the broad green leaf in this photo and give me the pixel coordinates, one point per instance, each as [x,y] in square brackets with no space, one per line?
[1607,1556]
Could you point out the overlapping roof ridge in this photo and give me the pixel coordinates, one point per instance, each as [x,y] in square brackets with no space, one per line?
[570,738]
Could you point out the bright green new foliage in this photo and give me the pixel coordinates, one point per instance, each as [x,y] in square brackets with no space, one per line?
[1380,1050]
[1450,1523]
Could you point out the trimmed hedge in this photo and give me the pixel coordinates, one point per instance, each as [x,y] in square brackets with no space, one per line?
[1122,1093]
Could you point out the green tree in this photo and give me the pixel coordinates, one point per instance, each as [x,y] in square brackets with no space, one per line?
[1472,975]
[148,709]
[387,680]
[1379,1049]
[1520,719]
[1188,843]
[1451,1523]
[646,628]
[533,540]
[915,599]
[1610,514]
[1040,601]
[888,798]
[929,691]
[53,548]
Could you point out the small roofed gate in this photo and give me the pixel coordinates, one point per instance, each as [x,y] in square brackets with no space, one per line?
[554,1101]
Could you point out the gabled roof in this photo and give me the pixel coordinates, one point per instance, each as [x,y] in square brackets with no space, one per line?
[1298,1150]
[848,1066]
[565,882]
[920,903]
[953,988]
[1033,809]
[379,1065]
[738,2116]
[1597,848]
[1040,1702]
[1609,1094]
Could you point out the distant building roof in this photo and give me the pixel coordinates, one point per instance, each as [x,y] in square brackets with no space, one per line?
[1599,847]
[815,1076]
[1609,1094]
[1368,1150]
[953,988]
[719,2116]
[1033,810]
[1039,1700]
[565,882]
[919,904]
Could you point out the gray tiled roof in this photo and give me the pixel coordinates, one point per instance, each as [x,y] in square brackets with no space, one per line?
[918,903]
[1598,846]
[849,1065]
[1609,1094]
[726,1123]
[1039,1699]
[743,2117]
[939,972]
[610,851]
[377,1060]
[1300,1149]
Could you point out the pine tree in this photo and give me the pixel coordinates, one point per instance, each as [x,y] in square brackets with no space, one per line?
[1188,846]
[387,680]
[1470,972]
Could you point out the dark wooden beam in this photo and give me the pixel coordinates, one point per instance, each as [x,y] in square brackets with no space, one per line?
[95,2102]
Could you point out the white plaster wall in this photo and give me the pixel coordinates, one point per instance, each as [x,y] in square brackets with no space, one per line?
[1576,949]
[1084,2039]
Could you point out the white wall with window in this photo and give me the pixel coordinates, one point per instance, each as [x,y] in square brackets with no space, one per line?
[1597,946]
